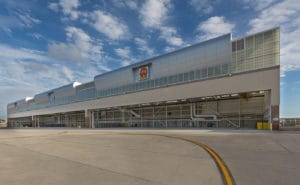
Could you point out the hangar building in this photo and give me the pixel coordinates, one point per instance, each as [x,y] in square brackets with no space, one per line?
[218,83]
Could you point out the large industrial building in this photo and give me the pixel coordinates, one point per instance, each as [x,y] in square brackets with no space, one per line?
[219,83]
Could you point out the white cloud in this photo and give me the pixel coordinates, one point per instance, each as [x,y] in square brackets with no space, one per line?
[18,19]
[169,34]
[290,51]
[9,53]
[125,55]
[259,4]
[82,40]
[154,15]
[213,27]
[285,14]
[203,6]
[132,4]
[143,46]
[27,20]
[53,7]
[37,36]
[123,52]
[17,14]
[126,62]
[69,8]
[68,73]
[154,12]
[25,72]
[65,52]
[19,61]
[169,49]
[109,25]
[80,47]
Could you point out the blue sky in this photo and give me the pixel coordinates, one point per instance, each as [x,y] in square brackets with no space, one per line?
[46,44]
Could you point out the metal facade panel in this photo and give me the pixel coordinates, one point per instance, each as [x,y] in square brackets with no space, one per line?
[41,98]
[202,55]
[58,93]
[260,50]
[65,91]
[115,78]
[21,103]
[11,106]
[244,82]
[85,86]
[205,54]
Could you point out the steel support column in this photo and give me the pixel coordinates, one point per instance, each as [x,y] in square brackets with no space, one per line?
[87,116]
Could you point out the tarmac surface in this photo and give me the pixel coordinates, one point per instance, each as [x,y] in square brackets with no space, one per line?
[147,157]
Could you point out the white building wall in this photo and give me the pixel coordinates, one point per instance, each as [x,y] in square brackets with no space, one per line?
[267,79]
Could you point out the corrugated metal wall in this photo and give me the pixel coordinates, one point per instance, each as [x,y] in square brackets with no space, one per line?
[205,54]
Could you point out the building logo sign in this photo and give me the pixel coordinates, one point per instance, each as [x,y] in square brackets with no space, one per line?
[144,73]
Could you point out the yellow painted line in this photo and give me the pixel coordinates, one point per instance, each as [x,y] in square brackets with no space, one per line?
[226,175]
[225,172]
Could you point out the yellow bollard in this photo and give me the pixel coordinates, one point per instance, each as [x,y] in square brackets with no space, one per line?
[271,126]
[265,125]
[259,125]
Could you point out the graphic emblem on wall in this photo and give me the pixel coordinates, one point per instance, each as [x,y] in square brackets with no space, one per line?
[144,72]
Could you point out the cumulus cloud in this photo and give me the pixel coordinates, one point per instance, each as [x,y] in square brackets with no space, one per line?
[169,34]
[102,21]
[203,6]
[154,15]
[83,41]
[259,4]
[169,49]
[25,72]
[132,4]
[26,19]
[53,6]
[65,52]
[22,64]
[18,19]
[154,12]
[290,52]
[109,25]
[213,27]
[126,62]
[285,14]
[80,47]
[125,55]
[37,36]
[143,46]
[123,52]
[68,7]
[10,53]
